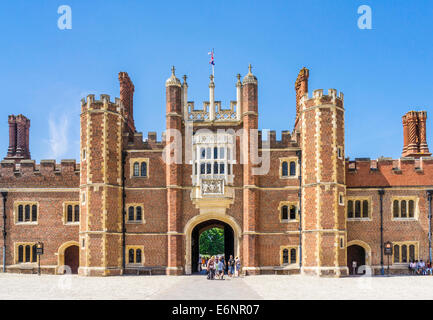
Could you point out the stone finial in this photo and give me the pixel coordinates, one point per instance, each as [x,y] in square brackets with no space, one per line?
[238,83]
[250,78]
[211,83]
[184,80]
[172,81]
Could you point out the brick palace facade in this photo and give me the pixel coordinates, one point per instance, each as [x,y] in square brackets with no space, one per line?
[134,205]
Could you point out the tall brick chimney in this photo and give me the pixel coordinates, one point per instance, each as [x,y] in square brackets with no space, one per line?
[127,99]
[19,127]
[415,135]
[301,87]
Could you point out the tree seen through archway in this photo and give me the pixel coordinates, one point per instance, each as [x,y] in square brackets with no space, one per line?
[212,242]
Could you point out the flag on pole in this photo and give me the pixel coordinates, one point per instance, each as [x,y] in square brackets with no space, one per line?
[212,61]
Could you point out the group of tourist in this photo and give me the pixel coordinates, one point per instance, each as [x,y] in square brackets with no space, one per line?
[420,267]
[217,267]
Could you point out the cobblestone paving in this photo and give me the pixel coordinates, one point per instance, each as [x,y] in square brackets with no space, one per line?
[23,287]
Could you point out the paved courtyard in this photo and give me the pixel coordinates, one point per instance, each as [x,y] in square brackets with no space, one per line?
[23,287]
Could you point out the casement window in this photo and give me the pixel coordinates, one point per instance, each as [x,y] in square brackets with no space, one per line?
[358,208]
[26,212]
[25,252]
[135,254]
[288,211]
[135,214]
[404,208]
[289,255]
[139,167]
[288,167]
[71,212]
[404,252]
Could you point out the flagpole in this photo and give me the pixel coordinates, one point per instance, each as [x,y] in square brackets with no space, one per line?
[213,65]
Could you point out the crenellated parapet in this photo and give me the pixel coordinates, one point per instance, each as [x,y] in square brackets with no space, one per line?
[318,99]
[104,103]
[151,142]
[46,174]
[271,140]
[386,172]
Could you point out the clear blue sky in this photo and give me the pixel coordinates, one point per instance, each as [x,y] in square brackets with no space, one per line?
[383,72]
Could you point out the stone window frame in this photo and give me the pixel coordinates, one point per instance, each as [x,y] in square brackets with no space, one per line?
[288,160]
[407,199]
[361,199]
[132,161]
[24,244]
[340,152]
[65,212]
[341,197]
[135,248]
[135,205]
[400,244]
[289,248]
[24,203]
[288,204]
[342,243]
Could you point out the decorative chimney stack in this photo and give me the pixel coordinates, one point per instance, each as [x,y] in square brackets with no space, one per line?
[127,99]
[18,138]
[301,88]
[414,135]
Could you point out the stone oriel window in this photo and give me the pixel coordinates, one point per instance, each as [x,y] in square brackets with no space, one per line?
[139,167]
[403,252]
[71,212]
[25,252]
[135,254]
[288,255]
[404,208]
[358,208]
[135,213]
[26,212]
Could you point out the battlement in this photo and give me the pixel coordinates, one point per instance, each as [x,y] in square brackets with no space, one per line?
[221,114]
[104,103]
[285,142]
[383,172]
[46,168]
[318,98]
[151,142]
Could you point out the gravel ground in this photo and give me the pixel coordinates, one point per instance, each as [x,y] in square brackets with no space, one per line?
[24,287]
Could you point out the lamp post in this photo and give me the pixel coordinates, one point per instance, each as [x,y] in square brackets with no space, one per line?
[39,252]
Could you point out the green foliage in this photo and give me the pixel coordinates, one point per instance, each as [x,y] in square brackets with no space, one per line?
[212,242]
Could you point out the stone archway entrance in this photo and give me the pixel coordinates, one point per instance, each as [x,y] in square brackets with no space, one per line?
[356,253]
[72,258]
[220,219]
[229,245]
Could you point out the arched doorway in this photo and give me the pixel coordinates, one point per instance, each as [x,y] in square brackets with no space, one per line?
[68,255]
[72,258]
[356,253]
[229,246]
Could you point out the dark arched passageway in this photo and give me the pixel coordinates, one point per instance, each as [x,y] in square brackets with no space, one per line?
[355,253]
[206,225]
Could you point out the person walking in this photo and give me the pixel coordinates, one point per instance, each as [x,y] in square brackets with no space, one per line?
[211,268]
[221,269]
[238,266]
[217,268]
[231,265]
